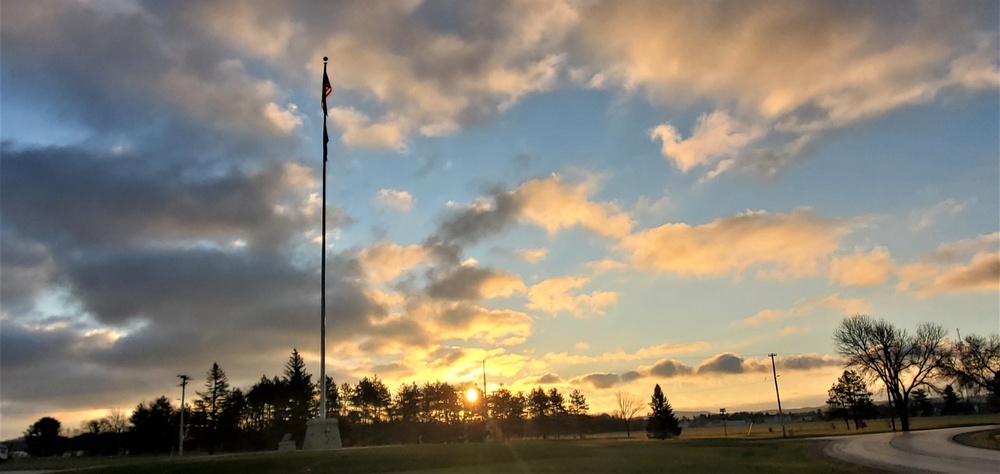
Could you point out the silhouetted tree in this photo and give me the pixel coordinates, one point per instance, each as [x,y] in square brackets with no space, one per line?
[371,397]
[538,410]
[154,426]
[333,402]
[662,423]
[850,399]
[577,410]
[557,411]
[952,404]
[921,403]
[209,408]
[902,362]
[508,409]
[627,408]
[975,365]
[299,392]
[44,437]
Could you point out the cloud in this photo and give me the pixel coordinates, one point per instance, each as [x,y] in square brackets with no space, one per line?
[605,265]
[554,296]
[563,358]
[101,85]
[843,307]
[358,130]
[952,252]
[597,380]
[727,363]
[468,282]
[92,198]
[970,265]
[793,330]
[533,255]
[668,368]
[793,244]
[810,361]
[545,379]
[862,269]
[981,274]
[716,137]
[550,203]
[926,217]
[394,199]
[554,205]
[385,261]
[789,70]
[447,320]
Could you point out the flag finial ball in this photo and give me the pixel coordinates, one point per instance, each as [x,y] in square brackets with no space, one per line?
[325,59]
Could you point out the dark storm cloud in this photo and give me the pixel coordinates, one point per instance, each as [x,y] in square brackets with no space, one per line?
[669,368]
[27,268]
[70,193]
[472,224]
[727,363]
[463,283]
[113,70]
[599,380]
[809,361]
[630,376]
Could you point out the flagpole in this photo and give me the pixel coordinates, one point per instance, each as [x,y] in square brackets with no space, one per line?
[322,278]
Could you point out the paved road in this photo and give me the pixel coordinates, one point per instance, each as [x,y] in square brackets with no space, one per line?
[917,451]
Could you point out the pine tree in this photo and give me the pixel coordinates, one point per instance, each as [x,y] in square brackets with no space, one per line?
[662,423]
[213,402]
[300,393]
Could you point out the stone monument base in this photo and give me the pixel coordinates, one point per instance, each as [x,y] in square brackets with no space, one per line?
[322,434]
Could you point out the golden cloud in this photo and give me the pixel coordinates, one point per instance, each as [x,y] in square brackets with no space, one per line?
[555,205]
[554,296]
[788,245]
[533,255]
[385,261]
[862,269]
[981,274]
[843,307]
[394,199]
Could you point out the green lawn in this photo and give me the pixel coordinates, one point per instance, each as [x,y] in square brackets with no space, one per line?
[698,450]
[596,456]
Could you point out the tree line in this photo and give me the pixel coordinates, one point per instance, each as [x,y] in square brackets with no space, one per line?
[224,418]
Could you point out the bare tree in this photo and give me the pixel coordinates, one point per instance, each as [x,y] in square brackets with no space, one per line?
[116,421]
[975,364]
[628,406]
[880,351]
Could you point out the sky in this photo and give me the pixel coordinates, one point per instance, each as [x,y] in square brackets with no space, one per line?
[588,195]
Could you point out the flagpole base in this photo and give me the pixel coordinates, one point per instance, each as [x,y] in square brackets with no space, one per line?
[322,434]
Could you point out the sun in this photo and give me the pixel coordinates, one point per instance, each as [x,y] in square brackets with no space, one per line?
[472,395]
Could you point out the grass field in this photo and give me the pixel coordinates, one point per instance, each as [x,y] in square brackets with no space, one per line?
[698,450]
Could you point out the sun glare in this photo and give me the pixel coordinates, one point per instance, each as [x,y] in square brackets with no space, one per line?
[472,395]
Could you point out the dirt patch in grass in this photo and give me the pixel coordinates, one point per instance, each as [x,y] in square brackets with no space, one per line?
[988,439]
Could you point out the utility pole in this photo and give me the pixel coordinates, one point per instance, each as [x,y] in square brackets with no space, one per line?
[180,444]
[486,412]
[725,430]
[781,416]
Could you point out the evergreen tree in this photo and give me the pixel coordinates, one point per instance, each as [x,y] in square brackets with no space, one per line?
[850,399]
[155,426]
[662,423]
[920,403]
[211,406]
[300,394]
[578,410]
[952,405]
